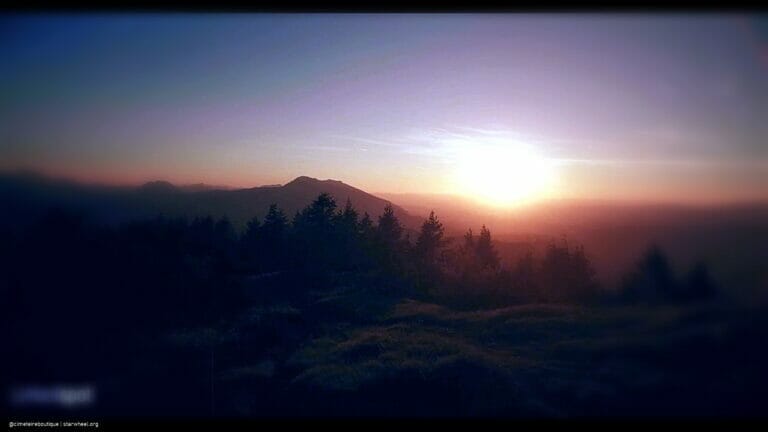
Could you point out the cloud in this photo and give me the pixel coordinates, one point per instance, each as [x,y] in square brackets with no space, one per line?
[374,141]
[446,143]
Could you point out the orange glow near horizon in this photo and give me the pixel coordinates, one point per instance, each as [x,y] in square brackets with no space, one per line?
[498,178]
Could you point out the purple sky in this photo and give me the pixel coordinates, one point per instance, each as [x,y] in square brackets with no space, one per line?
[625,106]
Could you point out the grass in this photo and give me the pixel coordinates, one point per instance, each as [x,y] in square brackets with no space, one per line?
[356,353]
[549,360]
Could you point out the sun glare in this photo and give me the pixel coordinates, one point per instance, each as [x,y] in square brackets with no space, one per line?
[503,175]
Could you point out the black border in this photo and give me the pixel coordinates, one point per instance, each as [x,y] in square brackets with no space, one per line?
[463,424]
[383,6]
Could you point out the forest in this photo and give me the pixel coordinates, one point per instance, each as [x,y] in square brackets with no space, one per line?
[330,312]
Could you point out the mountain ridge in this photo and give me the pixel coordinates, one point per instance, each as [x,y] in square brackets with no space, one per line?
[33,194]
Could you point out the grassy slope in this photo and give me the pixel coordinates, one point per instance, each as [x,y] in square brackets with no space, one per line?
[354,353]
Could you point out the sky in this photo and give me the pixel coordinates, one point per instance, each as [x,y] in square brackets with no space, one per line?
[648,107]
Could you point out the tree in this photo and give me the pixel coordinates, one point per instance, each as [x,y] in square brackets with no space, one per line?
[251,234]
[469,241]
[315,236]
[388,241]
[389,229]
[316,218]
[477,264]
[653,279]
[322,209]
[430,241]
[466,257]
[272,239]
[275,224]
[347,234]
[487,256]
[566,273]
[348,215]
[365,227]
[366,238]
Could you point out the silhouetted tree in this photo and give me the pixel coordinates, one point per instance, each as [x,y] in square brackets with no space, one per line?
[388,241]
[565,274]
[365,227]
[389,229]
[271,240]
[653,280]
[251,234]
[348,216]
[367,238]
[275,223]
[296,219]
[430,240]
[321,212]
[486,252]
[315,237]
[476,254]
[466,262]
[469,241]
[347,230]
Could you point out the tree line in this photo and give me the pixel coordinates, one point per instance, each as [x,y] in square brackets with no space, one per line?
[176,271]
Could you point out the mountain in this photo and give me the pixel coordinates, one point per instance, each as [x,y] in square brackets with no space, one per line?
[241,204]
[732,238]
[159,187]
[29,195]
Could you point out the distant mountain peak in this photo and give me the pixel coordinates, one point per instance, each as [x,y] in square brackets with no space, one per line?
[306,180]
[302,180]
[158,186]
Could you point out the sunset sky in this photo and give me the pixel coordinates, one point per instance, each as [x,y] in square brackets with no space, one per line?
[671,107]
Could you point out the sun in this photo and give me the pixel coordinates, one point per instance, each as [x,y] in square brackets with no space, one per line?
[503,175]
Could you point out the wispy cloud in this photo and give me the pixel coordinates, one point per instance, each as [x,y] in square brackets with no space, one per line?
[446,144]
[365,140]
[330,148]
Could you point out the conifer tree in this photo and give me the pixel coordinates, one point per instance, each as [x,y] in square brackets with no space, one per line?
[486,253]
[430,240]
[272,239]
[389,229]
